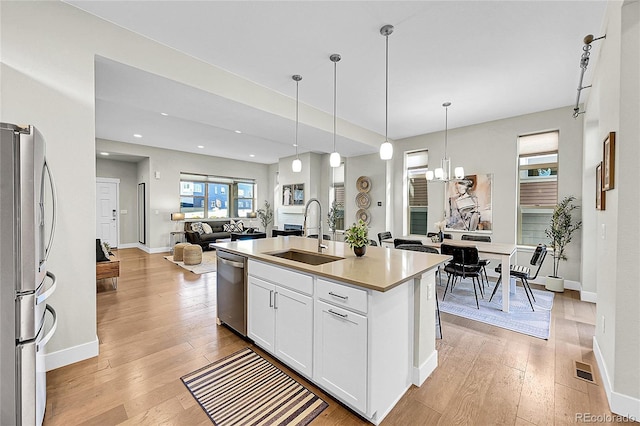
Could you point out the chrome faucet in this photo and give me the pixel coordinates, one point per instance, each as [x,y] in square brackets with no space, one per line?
[304,227]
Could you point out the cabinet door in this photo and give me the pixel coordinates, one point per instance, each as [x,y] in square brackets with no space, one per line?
[341,354]
[260,312]
[294,330]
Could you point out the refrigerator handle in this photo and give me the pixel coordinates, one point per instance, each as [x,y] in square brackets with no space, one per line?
[54,200]
[45,295]
[45,339]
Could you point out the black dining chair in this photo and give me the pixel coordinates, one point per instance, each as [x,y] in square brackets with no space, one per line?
[384,236]
[373,243]
[399,241]
[483,262]
[464,265]
[433,250]
[524,272]
[324,236]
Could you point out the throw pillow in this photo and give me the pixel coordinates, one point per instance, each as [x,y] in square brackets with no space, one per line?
[207,228]
[239,226]
[100,256]
[197,227]
[226,227]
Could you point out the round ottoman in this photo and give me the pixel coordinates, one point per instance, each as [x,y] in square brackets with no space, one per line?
[178,251]
[193,255]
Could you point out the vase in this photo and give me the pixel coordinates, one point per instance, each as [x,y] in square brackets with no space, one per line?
[441,236]
[360,251]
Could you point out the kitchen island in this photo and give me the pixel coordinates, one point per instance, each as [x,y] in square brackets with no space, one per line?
[363,329]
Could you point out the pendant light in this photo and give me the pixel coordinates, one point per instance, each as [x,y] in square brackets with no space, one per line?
[443,173]
[386,149]
[334,158]
[296,166]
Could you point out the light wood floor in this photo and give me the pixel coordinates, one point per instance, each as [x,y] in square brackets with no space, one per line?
[160,325]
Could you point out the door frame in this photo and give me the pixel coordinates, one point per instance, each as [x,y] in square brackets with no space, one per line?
[117,182]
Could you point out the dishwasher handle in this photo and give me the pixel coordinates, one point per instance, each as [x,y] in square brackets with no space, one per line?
[239,265]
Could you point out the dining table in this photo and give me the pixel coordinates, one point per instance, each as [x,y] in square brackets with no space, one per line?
[500,251]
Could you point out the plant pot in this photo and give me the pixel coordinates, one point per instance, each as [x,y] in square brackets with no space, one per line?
[555,284]
[360,251]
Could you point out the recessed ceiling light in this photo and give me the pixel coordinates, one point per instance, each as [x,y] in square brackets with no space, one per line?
[164,113]
[137,135]
[104,153]
[200,146]
[238,131]
[252,155]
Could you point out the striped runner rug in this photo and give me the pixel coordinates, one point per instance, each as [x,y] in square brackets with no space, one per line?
[246,389]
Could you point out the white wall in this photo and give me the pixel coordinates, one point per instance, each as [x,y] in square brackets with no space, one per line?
[163,192]
[127,172]
[492,148]
[47,79]
[611,255]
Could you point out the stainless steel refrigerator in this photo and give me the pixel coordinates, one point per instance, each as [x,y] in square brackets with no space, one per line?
[27,226]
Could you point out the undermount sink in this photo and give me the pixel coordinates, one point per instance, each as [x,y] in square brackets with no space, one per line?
[308,257]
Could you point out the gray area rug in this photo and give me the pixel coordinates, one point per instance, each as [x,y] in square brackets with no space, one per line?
[246,389]
[462,302]
[208,263]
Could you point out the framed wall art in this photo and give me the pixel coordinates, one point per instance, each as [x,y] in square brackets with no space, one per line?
[468,203]
[600,193]
[609,161]
[293,194]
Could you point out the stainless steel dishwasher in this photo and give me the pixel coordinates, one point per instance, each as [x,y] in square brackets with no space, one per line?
[232,291]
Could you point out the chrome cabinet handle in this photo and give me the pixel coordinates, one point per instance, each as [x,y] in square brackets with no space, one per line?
[271,298]
[338,296]
[338,314]
[45,295]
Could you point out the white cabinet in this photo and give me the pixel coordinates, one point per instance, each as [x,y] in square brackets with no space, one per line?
[341,354]
[261,315]
[280,321]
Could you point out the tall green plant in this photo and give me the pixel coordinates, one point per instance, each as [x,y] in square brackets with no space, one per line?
[561,229]
[265,215]
[336,213]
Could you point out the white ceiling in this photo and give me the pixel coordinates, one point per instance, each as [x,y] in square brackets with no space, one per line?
[491,59]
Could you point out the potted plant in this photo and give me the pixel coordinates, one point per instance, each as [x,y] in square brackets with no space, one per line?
[560,231]
[357,236]
[265,215]
[335,217]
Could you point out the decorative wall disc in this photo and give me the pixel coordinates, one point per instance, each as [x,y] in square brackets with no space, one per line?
[363,201]
[364,215]
[363,184]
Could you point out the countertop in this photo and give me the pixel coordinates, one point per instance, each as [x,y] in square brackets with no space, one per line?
[380,269]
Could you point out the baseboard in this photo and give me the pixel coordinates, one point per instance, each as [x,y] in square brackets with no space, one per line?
[620,404]
[71,355]
[589,296]
[159,250]
[421,373]
[572,285]
[129,245]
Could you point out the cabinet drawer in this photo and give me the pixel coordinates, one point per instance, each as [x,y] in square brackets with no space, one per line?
[281,276]
[342,295]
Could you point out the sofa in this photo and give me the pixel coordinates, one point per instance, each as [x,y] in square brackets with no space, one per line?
[203,239]
[220,229]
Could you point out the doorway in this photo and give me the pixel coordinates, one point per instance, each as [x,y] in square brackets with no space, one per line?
[107,207]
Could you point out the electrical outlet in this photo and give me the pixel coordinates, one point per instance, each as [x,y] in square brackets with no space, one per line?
[429,291]
[602,323]
[603,231]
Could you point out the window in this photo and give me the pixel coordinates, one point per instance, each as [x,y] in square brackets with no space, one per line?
[538,185]
[214,197]
[417,195]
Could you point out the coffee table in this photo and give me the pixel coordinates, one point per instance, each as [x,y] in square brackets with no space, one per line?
[247,235]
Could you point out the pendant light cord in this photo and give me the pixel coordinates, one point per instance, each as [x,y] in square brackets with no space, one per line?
[335,94]
[446,127]
[386,91]
[297,83]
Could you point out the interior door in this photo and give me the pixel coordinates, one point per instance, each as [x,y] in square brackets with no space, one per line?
[107,223]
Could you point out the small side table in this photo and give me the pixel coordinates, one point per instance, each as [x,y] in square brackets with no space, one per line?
[176,237]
